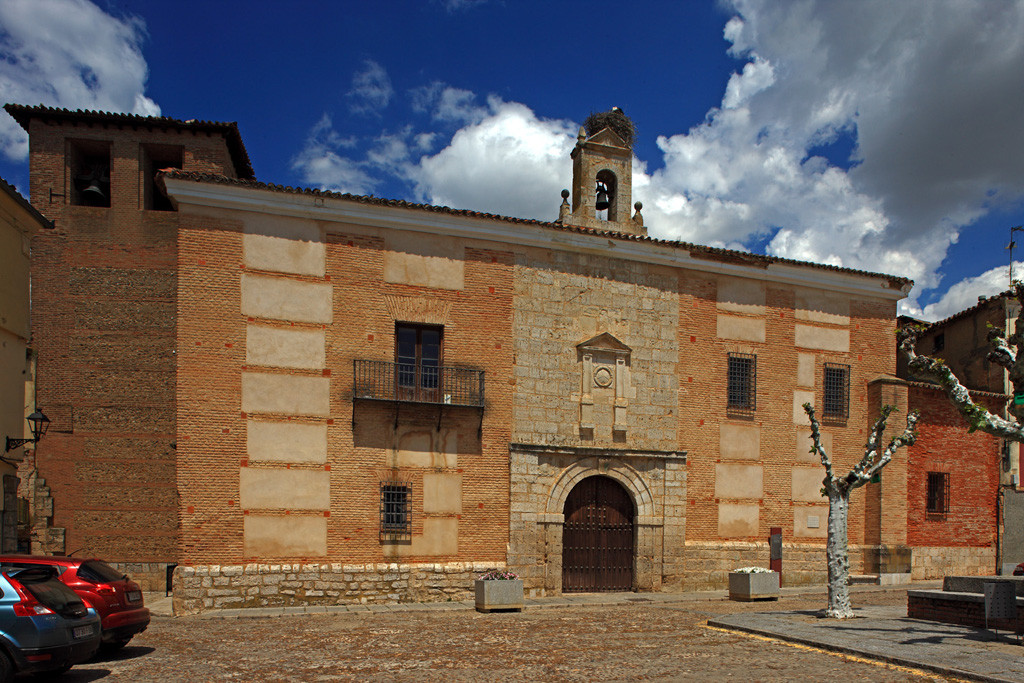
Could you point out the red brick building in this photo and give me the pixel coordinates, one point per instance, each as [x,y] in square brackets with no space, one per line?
[344,398]
[961,341]
[104,321]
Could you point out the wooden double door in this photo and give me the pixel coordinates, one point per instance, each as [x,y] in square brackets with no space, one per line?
[598,537]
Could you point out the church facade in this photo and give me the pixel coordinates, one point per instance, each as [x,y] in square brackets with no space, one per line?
[375,400]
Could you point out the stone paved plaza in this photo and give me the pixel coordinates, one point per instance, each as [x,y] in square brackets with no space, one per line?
[641,638]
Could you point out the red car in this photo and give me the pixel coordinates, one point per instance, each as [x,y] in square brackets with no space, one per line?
[116,598]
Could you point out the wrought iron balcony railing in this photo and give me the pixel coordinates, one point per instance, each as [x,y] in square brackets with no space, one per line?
[381,380]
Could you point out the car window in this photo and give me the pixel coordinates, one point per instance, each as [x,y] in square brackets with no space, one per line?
[95,571]
[42,583]
[57,570]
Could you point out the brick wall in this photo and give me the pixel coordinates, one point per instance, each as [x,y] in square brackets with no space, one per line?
[783,444]
[104,289]
[367,441]
[972,462]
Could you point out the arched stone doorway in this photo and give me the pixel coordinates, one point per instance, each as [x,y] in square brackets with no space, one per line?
[598,537]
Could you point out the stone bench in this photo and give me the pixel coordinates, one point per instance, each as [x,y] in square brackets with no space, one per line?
[965,607]
[975,584]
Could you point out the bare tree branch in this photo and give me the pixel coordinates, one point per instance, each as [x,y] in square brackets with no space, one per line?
[816,441]
[907,438]
[1002,354]
[934,370]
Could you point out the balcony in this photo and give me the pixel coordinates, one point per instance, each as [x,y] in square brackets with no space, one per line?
[380,380]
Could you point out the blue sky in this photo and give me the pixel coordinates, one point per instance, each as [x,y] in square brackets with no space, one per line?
[885,136]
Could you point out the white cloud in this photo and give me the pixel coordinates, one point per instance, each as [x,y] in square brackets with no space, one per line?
[965,293]
[321,164]
[447,104]
[69,53]
[929,93]
[371,89]
[929,90]
[510,162]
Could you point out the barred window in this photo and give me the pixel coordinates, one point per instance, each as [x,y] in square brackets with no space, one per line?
[742,382]
[937,500]
[395,510]
[837,391]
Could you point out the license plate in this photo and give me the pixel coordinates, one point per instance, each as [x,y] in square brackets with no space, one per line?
[81,632]
[134,596]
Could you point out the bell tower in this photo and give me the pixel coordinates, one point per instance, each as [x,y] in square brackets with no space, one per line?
[602,183]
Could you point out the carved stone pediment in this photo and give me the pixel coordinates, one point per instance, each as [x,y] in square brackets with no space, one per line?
[604,387]
[606,343]
[607,136]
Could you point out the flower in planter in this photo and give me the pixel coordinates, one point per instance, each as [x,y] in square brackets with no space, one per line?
[498,575]
[752,570]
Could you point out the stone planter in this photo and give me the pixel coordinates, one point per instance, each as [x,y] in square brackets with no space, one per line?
[746,587]
[499,595]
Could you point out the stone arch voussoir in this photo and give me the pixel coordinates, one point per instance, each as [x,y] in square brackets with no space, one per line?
[608,467]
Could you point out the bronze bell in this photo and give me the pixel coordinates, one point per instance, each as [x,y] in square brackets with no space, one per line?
[94,193]
[602,197]
[94,183]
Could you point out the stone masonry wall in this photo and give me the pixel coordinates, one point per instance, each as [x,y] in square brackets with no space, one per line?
[563,299]
[939,562]
[708,564]
[272,585]
[151,576]
[543,477]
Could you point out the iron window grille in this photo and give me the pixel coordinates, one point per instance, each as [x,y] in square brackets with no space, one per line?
[395,510]
[837,391]
[937,497]
[742,383]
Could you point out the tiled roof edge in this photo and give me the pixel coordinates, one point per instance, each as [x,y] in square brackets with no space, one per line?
[973,392]
[967,311]
[23,114]
[25,204]
[696,250]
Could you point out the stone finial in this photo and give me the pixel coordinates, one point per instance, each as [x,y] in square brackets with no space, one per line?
[637,217]
[564,210]
[582,134]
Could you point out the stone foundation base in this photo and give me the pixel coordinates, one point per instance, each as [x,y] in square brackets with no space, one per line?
[151,576]
[707,564]
[939,562]
[199,588]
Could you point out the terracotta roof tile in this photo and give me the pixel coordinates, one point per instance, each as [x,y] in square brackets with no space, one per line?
[23,114]
[696,250]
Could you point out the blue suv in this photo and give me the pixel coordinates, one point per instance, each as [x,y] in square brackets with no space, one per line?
[44,625]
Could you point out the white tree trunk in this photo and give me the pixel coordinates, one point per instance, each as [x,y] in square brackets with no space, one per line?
[838,555]
[838,491]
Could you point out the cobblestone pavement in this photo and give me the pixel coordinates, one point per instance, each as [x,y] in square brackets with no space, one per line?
[633,641]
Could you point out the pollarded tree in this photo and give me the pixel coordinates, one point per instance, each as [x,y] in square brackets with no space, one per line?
[1005,352]
[838,490]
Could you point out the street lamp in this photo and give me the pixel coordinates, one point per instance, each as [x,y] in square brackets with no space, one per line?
[39,423]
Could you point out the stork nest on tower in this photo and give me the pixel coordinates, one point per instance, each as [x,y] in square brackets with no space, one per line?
[614,119]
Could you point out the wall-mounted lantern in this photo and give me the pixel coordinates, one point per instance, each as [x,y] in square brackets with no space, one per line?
[39,423]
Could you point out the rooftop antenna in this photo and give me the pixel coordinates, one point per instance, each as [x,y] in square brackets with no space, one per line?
[1016,228]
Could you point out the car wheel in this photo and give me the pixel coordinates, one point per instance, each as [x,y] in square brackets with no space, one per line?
[6,669]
